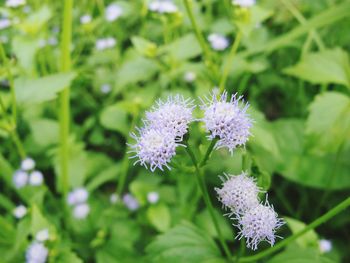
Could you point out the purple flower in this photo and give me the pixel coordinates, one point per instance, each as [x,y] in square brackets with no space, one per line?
[238,193]
[226,120]
[259,224]
[172,116]
[154,148]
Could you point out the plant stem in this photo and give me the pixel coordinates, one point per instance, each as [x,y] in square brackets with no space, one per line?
[11,83]
[208,152]
[207,201]
[201,40]
[18,144]
[125,162]
[229,60]
[197,31]
[66,39]
[330,214]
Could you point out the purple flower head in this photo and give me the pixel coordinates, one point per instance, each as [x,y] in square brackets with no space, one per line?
[238,193]
[226,120]
[173,115]
[259,224]
[154,148]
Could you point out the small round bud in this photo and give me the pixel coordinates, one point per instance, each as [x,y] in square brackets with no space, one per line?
[81,211]
[218,42]
[36,253]
[20,179]
[36,178]
[42,235]
[20,211]
[325,245]
[152,197]
[27,164]
[130,202]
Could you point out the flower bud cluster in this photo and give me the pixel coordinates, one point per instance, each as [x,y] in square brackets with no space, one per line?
[26,175]
[256,221]
[78,199]
[37,252]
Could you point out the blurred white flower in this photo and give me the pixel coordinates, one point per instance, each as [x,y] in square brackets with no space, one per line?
[162,6]
[36,178]
[130,202]
[4,23]
[325,245]
[85,19]
[27,9]
[152,197]
[190,76]
[218,42]
[42,235]
[36,253]
[113,198]
[20,211]
[27,164]
[42,43]
[52,41]
[77,196]
[15,3]
[244,3]
[104,43]
[106,88]
[81,211]
[20,179]
[113,12]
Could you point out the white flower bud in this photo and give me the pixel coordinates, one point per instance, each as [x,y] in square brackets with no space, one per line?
[20,179]
[36,178]
[27,164]
[20,211]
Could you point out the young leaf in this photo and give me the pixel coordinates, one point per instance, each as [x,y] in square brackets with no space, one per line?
[183,243]
[328,66]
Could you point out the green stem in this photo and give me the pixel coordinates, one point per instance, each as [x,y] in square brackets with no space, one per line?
[208,152]
[197,31]
[66,39]
[18,144]
[11,83]
[229,60]
[330,214]
[207,201]
[301,19]
[204,46]
[125,162]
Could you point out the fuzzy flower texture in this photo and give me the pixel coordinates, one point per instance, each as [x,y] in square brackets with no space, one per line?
[226,120]
[165,126]
[256,221]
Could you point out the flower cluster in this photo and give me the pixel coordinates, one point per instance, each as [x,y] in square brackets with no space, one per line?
[162,6]
[37,252]
[27,175]
[78,199]
[105,43]
[256,221]
[165,126]
[218,42]
[226,120]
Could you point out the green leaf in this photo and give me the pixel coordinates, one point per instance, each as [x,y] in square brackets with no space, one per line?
[298,164]
[68,256]
[36,21]
[25,49]
[328,66]
[106,175]
[309,239]
[115,118]
[183,243]
[329,121]
[159,216]
[135,70]
[300,255]
[39,222]
[204,221]
[30,91]
[45,131]
[144,46]
[183,48]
